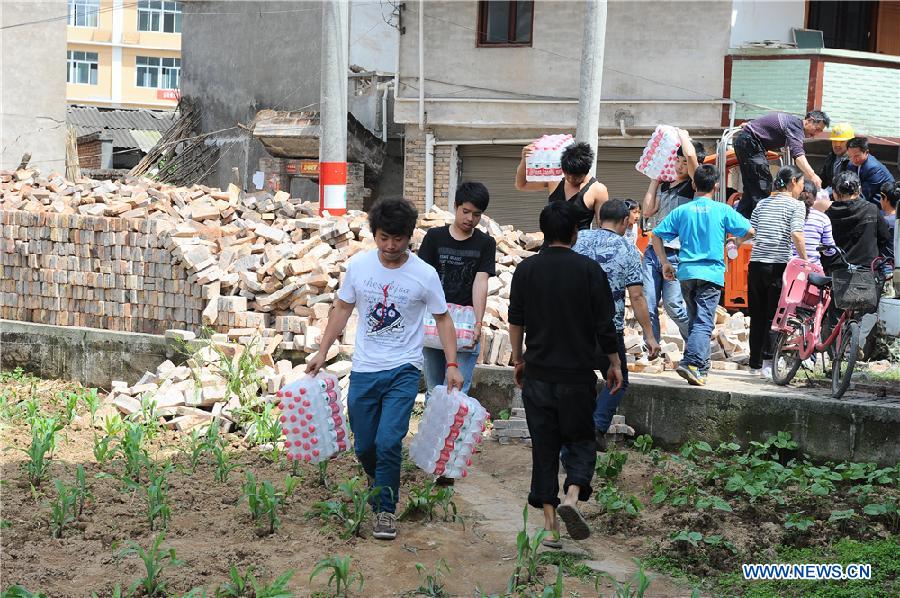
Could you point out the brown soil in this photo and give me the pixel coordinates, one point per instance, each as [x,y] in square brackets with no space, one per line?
[211,528]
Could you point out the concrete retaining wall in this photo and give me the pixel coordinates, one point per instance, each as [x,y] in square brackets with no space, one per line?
[857,429]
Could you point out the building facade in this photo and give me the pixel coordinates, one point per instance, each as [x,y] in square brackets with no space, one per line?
[123,54]
[499,74]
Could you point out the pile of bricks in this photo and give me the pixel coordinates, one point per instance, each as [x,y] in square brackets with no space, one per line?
[513,430]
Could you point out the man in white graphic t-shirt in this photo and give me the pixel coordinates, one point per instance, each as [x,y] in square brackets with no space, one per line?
[392,289]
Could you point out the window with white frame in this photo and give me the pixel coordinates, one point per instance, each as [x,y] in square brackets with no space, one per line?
[163,16]
[161,73]
[83,67]
[83,13]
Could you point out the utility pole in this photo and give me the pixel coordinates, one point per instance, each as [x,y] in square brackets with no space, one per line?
[333,107]
[592,48]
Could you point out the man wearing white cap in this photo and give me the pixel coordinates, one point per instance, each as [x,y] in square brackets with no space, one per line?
[837,159]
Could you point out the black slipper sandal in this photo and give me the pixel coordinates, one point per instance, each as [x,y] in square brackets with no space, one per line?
[552,541]
[575,523]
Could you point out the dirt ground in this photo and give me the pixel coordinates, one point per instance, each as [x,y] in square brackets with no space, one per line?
[211,528]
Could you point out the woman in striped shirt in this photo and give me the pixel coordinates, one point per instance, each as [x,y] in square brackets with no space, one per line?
[817,229]
[778,221]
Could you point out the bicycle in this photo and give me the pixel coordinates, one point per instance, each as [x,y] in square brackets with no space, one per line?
[855,291]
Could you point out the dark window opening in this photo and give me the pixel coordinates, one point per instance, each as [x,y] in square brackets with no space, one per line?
[845,25]
[505,23]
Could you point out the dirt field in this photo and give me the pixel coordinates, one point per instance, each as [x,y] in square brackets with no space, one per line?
[211,528]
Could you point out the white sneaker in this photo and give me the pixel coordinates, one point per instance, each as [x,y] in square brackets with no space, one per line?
[756,372]
[766,372]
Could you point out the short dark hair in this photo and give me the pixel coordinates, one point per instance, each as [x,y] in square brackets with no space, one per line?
[785,175]
[819,117]
[891,192]
[698,148]
[558,222]
[808,195]
[860,143]
[394,216]
[614,210]
[474,193]
[578,158]
[847,183]
[705,178]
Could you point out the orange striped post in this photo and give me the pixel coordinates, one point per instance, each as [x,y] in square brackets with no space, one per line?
[332,188]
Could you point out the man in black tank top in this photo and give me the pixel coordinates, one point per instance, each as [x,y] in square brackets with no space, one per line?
[582,191]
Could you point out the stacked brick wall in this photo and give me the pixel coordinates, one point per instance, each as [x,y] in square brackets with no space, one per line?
[89,154]
[111,273]
[414,169]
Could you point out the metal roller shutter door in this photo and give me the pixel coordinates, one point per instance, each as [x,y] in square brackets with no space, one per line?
[495,166]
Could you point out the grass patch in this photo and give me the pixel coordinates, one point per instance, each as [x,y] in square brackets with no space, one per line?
[570,563]
[883,555]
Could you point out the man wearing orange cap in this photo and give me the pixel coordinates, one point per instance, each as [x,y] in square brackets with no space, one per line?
[837,159]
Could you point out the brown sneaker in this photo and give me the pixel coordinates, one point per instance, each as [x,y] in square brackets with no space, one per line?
[385,526]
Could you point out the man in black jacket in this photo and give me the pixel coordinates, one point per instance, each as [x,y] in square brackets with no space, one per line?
[563,301]
[836,161]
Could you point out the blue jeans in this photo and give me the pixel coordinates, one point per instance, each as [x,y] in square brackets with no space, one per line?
[657,288]
[701,298]
[608,402]
[379,405]
[435,366]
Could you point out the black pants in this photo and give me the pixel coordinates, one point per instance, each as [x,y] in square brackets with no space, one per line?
[559,415]
[763,292]
[755,173]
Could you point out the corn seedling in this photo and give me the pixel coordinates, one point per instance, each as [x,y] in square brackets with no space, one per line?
[158,511]
[197,446]
[635,588]
[155,560]
[103,448]
[527,557]
[70,404]
[246,585]
[341,578]
[91,400]
[432,582]
[427,498]
[82,493]
[555,590]
[149,416]
[62,510]
[290,486]
[323,474]
[349,511]
[263,501]
[18,591]
[40,451]
[133,451]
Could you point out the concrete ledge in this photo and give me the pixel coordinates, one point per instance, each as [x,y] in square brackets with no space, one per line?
[87,355]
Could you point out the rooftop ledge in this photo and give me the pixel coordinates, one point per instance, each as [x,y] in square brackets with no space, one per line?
[823,52]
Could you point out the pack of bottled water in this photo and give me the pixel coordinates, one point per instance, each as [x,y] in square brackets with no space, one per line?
[463,321]
[312,418]
[451,427]
[544,163]
[658,159]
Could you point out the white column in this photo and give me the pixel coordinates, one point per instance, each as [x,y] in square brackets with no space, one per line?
[117,16]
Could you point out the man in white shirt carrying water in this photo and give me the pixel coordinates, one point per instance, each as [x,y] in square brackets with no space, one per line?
[392,289]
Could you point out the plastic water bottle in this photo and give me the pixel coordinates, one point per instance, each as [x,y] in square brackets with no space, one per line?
[732,249]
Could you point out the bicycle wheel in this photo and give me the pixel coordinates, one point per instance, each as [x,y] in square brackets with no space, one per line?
[786,359]
[845,359]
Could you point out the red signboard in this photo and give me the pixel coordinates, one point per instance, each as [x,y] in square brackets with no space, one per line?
[309,167]
[168,94]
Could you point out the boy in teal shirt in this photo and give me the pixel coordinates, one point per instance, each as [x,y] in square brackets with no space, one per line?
[701,227]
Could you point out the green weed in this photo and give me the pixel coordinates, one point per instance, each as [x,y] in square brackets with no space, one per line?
[342,578]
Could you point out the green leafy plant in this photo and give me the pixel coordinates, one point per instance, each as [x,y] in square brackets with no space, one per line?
[246,586]
[91,400]
[527,557]
[18,591]
[643,443]
[888,510]
[432,584]
[82,492]
[103,448]
[504,414]
[132,449]
[323,474]
[349,509]
[63,509]
[612,501]
[341,577]
[263,501]
[635,588]
[158,510]
[70,402]
[427,498]
[149,416]
[217,445]
[609,464]
[40,451]
[693,538]
[155,560]
[798,522]
[555,590]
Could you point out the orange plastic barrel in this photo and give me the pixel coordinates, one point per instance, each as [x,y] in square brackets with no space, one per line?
[736,279]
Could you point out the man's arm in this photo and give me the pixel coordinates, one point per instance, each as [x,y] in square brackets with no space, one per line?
[746,237]
[651,199]
[521,183]
[337,321]
[810,174]
[642,314]
[690,153]
[598,196]
[602,299]
[479,301]
[447,334]
[660,249]
[516,336]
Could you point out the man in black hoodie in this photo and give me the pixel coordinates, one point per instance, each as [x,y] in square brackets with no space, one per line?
[858,227]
